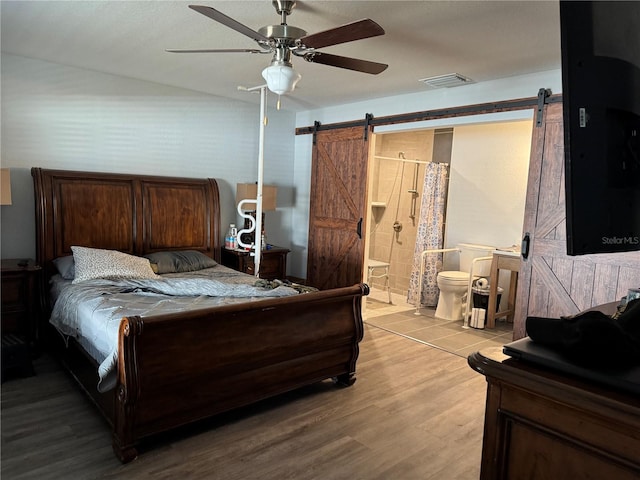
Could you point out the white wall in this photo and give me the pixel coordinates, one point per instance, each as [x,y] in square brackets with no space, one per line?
[488,183]
[56,116]
[504,89]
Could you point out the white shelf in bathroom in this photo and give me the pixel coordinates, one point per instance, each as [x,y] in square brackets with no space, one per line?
[378,205]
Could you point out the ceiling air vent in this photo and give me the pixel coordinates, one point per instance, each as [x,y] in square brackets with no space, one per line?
[446,81]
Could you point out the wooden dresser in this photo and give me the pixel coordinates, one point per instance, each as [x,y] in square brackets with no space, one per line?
[20,299]
[542,424]
[273,264]
[20,314]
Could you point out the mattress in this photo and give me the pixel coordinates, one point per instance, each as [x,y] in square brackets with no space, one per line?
[91,311]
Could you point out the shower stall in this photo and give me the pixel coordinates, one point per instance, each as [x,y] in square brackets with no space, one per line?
[396,179]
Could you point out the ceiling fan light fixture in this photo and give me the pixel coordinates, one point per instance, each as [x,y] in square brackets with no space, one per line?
[280,78]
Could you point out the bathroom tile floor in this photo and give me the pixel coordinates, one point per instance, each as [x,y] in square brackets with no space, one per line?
[400,318]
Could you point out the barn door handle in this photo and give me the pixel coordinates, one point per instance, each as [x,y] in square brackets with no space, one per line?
[524,247]
[359,228]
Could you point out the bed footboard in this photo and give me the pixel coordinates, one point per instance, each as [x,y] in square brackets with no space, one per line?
[177,369]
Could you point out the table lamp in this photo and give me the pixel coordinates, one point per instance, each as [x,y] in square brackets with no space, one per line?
[5,186]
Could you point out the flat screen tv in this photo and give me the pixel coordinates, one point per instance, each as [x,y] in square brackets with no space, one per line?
[600,44]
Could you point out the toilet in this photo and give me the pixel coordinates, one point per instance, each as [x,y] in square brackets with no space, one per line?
[454,284]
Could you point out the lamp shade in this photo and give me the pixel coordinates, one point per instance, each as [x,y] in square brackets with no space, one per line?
[281,79]
[5,186]
[250,190]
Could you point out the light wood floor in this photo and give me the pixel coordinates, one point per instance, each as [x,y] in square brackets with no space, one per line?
[400,317]
[415,412]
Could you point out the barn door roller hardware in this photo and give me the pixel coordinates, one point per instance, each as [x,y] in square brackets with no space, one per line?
[367,122]
[543,94]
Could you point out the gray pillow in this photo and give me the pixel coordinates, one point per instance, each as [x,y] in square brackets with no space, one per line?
[180,261]
[66,267]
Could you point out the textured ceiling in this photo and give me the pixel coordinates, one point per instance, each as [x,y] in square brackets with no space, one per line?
[483,40]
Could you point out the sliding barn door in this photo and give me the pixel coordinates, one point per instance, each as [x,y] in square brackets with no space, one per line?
[337,208]
[551,283]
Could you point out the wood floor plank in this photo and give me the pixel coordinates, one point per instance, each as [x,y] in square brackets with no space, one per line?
[415,412]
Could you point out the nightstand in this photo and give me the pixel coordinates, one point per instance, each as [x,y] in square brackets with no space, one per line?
[20,313]
[273,264]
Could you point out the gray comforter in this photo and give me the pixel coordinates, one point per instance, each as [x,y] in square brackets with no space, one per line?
[91,311]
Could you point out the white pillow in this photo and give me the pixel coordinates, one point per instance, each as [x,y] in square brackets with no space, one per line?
[91,263]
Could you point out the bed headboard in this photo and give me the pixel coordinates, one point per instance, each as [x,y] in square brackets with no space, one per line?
[135,214]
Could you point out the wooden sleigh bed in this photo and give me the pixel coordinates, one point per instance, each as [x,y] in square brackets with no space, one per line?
[166,375]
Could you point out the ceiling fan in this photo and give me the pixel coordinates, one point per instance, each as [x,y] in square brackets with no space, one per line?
[284,40]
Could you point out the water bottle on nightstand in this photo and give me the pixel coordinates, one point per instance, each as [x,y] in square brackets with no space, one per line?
[231,240]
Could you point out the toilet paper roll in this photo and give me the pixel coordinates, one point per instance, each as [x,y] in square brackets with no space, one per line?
[477,317]
[482,283]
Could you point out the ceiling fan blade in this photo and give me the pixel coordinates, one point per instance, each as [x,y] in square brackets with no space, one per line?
[216,50]
[229,22]
[357,30]
[345,62]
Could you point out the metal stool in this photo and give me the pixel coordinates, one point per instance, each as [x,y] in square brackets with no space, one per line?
[376,264]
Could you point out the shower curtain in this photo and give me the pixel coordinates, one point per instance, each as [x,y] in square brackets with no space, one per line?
[429,236]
